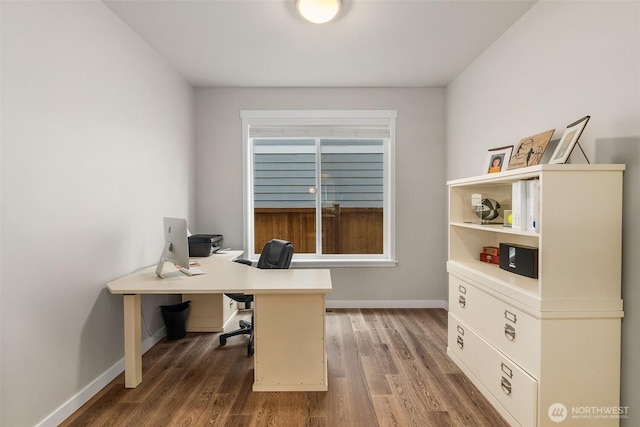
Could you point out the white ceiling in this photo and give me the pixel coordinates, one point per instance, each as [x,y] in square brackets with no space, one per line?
[373,43]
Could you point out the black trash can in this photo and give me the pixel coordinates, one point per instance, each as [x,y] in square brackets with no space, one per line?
[175,319]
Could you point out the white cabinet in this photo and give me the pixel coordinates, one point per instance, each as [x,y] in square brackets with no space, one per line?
[210,312]
[543,349]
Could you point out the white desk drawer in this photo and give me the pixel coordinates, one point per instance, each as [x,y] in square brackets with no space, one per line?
[513,332]
[512,387]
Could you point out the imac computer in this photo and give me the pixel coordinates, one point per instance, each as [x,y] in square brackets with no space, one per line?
[176,247]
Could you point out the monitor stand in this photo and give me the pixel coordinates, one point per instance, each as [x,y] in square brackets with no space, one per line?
[164,258]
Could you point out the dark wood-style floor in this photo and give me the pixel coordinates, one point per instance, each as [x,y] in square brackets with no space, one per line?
[386,368]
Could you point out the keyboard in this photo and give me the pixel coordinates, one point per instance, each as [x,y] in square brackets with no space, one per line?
[193,271]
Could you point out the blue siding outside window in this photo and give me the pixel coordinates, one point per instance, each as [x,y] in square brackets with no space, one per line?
[352,173]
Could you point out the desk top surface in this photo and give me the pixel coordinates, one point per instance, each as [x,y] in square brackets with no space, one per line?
[224,275]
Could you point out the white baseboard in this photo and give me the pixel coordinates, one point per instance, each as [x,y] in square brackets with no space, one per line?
[387,304]
[74,403]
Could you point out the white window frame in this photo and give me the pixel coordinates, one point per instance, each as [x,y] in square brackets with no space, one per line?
[318,119]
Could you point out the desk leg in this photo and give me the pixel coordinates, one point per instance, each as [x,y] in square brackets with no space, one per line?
[132,341]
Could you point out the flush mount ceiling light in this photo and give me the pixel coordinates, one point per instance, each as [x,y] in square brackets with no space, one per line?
[318,11]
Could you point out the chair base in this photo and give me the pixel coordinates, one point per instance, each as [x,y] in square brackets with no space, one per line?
[246,328]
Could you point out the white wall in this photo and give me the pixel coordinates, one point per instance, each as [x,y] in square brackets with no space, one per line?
[1,120]
[97,146]
[563,60]
[420,231]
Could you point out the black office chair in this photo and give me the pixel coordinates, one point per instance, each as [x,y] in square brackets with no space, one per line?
[276,254]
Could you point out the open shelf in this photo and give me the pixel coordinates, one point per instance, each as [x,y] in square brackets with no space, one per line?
[496,228]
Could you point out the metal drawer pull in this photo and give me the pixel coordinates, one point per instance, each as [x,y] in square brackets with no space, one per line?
[511,317]
[460,330]
[460,342]
[462,289]
[509,332]
[507,370]
[506,386]
[462,301]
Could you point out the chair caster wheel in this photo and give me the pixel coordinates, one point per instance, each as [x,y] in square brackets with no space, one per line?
[223,340]
[250,351]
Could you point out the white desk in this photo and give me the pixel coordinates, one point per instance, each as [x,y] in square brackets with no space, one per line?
[289,314]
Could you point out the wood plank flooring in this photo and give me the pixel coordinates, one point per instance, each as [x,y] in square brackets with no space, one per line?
[386,368]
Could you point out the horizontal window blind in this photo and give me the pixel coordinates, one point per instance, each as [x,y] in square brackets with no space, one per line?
[380,131]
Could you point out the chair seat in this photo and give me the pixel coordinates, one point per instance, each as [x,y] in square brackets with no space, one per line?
[241,297]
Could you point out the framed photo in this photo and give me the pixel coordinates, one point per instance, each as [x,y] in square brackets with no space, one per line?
[498,159]
[530,150]
[569,140]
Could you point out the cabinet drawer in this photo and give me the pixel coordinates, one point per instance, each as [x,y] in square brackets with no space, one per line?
[512,387]
[512,331]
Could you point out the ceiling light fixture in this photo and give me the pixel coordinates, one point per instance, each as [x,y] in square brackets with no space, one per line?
[318,11]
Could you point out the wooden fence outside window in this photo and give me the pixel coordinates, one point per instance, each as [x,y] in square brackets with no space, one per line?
[344,230]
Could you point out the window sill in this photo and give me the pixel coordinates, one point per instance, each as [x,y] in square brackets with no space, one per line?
[298,262]
[332,263]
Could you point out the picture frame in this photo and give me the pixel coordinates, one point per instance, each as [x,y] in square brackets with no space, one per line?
[568,141]
[530,150]
[497,159]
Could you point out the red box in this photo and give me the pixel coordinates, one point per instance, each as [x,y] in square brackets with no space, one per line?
[490,258]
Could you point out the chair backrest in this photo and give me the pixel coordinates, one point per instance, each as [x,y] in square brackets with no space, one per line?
[276,254]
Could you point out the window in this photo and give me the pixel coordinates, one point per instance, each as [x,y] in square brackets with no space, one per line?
[322,180]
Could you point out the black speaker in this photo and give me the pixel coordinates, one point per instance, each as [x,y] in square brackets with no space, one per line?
[522,260]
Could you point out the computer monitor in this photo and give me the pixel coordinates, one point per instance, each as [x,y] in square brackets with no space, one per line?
[176,246]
